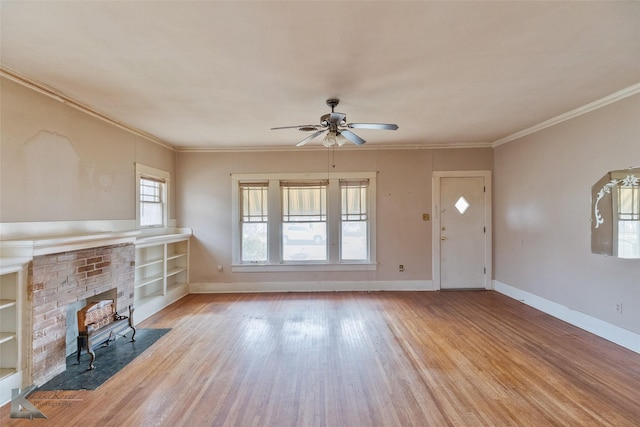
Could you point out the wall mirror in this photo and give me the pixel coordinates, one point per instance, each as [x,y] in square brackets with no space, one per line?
[615,214]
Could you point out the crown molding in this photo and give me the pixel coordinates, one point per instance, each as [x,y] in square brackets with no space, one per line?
[61,97]
[602,102]
[67,100]
[371,147]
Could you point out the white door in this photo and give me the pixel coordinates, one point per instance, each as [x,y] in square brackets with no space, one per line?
[463,231]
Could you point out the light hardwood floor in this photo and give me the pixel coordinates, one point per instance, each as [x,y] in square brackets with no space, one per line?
[359,359]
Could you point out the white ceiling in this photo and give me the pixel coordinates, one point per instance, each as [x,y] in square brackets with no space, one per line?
[219,75]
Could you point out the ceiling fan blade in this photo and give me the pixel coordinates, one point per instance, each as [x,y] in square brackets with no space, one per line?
[383,126]
[310,137]
[352,137]
[296,127]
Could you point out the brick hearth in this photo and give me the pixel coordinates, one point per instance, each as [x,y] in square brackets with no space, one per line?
[56,280]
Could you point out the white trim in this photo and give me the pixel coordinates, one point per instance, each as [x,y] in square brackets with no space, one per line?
[54,245]
[616,334]
[312,286]
[369,147]
[13,265]
[599,103]
[237,177]
[43,230]
[169,236]
[34,230]
[7,384]
[435,231]
[273,268]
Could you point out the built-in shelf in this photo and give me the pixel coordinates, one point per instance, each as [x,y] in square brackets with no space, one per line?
[5,372]
[149,263]
[149,280]
[10,338]
[142,301]
[6,303]
[7,336]
[162,271]
[175,271]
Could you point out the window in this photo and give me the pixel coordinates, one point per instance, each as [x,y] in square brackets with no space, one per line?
[301,221]
[353,240]
[151,202]
[152,196]
[254,219]
[304,220]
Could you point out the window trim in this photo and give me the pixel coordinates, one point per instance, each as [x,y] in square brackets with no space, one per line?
[274,263]
[148,172]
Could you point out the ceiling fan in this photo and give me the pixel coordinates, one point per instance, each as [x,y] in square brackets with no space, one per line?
[336,127]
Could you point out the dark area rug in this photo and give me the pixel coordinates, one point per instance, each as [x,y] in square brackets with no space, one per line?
[109,360]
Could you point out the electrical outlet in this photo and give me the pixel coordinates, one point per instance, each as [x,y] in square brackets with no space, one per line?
[619,308]
[401,267]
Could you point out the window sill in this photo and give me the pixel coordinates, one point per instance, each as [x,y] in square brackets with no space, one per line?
[274,268]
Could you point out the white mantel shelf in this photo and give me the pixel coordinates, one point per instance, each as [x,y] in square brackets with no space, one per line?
[13,264]
[52,245]
[176,235]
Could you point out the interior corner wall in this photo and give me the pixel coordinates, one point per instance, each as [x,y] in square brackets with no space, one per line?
[61,164]
[403,195]
[542,213]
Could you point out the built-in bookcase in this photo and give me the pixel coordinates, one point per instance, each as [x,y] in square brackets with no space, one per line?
[162,272]
[9,321]
[11,339]
[150,264]
[177,263]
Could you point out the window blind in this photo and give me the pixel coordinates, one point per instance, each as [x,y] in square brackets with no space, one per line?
[304,201]
[253,201]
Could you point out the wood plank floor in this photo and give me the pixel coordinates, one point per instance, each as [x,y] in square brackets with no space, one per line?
[359,359]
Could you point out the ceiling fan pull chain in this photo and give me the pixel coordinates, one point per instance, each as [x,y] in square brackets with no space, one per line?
[333,156]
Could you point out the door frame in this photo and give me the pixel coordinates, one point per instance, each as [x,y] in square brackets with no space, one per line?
[436,230]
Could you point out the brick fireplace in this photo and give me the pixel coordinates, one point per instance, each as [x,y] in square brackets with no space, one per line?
[56,280]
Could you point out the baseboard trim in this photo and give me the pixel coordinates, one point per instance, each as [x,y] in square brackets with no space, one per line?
[334,286]
[7,384]
[616,334]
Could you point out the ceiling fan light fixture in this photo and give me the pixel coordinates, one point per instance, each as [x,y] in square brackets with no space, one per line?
[330,140]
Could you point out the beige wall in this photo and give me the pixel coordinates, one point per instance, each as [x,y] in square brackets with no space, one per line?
[60,164]
[403,195]
[542,211]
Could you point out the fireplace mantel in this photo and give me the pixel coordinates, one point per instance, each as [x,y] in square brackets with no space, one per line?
[53,271]
[58,244]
